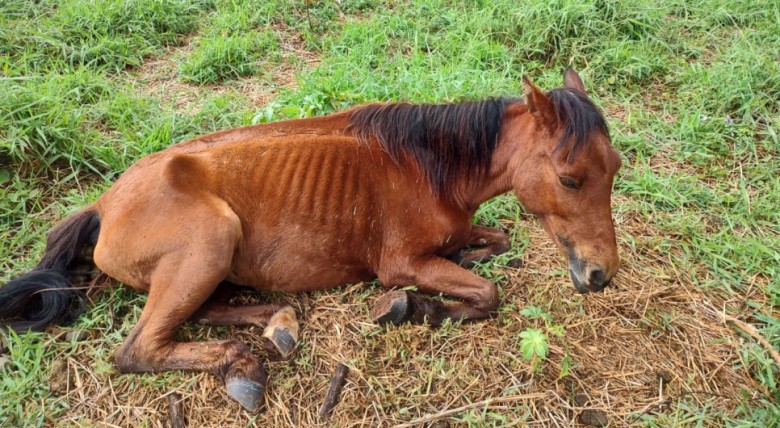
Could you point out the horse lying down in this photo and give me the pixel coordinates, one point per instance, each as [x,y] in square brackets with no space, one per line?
[382,191]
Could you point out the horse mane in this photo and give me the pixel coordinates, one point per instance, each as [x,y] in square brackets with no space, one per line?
[447,140]
[579,116]
[451,140]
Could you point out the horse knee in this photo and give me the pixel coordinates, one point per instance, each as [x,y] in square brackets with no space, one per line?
[487,298]
[124,361]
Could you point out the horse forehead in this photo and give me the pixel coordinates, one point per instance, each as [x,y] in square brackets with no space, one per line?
[599,155]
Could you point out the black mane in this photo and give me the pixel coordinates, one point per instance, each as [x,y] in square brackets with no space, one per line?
[579,116]
[448,140]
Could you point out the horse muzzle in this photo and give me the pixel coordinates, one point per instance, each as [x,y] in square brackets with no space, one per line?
[586,276]
[592,279]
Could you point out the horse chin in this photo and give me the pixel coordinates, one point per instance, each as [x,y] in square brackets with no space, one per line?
[578,285]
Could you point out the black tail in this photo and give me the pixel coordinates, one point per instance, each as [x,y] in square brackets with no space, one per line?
[46,295]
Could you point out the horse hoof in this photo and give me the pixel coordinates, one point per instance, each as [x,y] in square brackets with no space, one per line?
[392,308]
[248,393]
[284,342]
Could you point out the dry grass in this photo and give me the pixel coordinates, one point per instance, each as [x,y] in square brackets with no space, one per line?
[648,341]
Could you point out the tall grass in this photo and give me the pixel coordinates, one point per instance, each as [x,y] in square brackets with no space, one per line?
[97,34]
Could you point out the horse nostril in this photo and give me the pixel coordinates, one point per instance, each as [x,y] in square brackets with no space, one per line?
[597,278]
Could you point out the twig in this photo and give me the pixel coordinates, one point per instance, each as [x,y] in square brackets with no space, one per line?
[175,415]
[652,406]
[294,412]
[305,301]
[334,390]
[749,329]
[484,403]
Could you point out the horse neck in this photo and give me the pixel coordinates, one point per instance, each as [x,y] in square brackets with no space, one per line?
[477,189]
[475,192]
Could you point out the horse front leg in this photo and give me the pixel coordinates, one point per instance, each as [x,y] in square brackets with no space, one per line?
[484,243]
[435,275]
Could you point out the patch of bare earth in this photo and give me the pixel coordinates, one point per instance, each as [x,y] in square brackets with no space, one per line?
[649,342]
[159,76]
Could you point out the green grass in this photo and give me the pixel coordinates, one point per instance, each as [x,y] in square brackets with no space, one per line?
[97,34]
[691,90]
[221,57]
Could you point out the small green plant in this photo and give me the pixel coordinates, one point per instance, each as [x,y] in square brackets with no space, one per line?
[534,342]
[535,312]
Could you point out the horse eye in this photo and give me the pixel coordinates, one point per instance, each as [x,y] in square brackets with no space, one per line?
[569,182]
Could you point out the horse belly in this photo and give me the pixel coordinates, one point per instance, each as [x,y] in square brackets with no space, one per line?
[301,263]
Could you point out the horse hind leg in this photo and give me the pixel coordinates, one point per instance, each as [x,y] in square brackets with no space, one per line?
[182,280]
[279,320]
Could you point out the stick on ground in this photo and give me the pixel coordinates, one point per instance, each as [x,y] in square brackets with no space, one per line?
[175,414]
[334,390]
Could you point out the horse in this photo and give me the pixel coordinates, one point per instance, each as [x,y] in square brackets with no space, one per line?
[382,190]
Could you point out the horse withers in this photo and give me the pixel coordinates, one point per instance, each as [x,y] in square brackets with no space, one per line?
[382,191]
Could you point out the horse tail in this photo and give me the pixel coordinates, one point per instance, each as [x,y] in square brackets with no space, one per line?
[46,295]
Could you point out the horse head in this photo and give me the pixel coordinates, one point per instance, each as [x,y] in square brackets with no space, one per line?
[564,175]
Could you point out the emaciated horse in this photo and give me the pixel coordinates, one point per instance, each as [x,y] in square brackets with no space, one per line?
[382,191]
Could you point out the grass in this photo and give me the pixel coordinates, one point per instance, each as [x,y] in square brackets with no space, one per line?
[690,90]
[219,57]
[99,34]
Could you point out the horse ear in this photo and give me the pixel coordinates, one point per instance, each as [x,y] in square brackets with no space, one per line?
[572,80]
[539,105]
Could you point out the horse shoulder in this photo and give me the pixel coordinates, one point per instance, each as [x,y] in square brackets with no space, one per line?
[417,224]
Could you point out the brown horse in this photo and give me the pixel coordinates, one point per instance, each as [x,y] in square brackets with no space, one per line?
[382,190]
